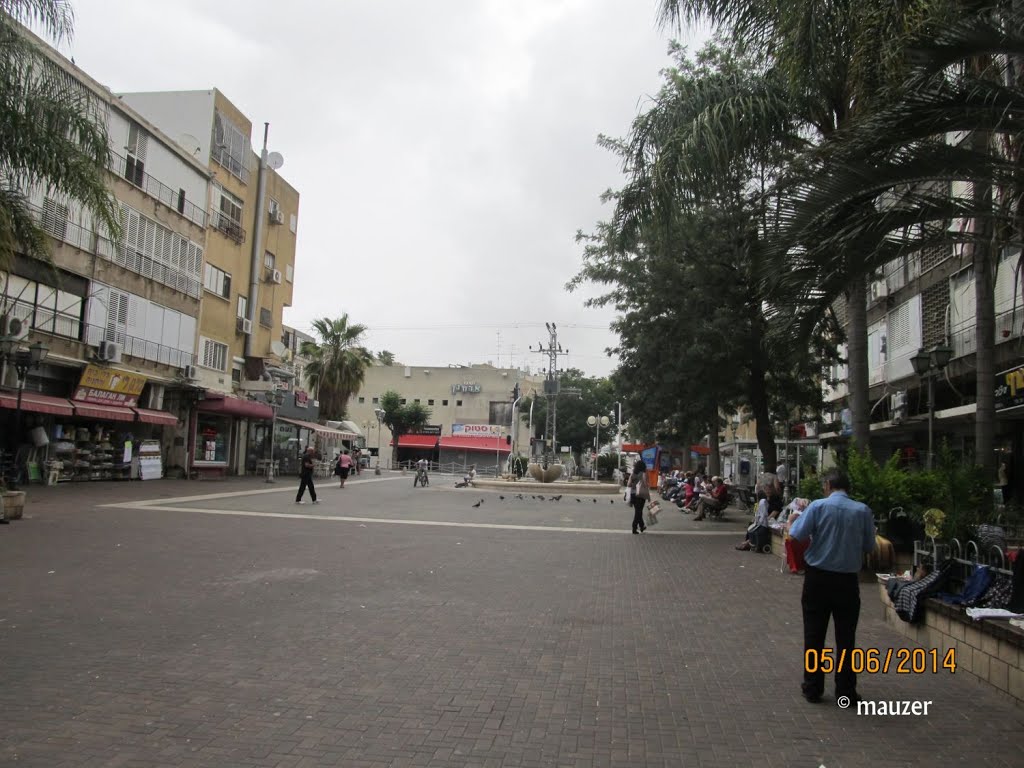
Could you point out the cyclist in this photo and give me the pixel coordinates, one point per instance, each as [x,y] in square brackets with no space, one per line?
[421,473]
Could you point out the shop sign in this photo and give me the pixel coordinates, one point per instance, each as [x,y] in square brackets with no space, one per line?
[429,429]
[1010,389]
[301,399]
[477,430]
[470,388]
[108,386]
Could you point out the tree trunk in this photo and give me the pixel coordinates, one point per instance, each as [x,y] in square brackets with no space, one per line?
[762,418]
[714,454]
[857,367]
[982,257]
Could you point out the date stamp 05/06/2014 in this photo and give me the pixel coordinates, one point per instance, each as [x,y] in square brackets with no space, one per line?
[903,661]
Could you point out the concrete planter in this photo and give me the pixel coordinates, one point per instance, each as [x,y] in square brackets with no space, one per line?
[12,504]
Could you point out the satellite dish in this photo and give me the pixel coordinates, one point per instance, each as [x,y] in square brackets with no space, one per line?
[278,348]
[275,160]
[190,143]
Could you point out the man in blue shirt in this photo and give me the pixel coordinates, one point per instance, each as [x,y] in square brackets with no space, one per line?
[841,531]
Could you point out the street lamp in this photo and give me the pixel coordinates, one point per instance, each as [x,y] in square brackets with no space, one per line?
[618,431]
[23,360]
[928,365]
[380,413]
[275,399]
[597,422]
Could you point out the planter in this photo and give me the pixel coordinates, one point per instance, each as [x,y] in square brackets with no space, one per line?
[12,504]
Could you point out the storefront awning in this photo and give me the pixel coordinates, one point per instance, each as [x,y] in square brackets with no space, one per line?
[156,417]
[463,443]
[34,403]
[103,412]
[416,441]
[235,406]
[320,428]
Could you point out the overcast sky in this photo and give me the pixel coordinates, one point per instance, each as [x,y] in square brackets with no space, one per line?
[444,152]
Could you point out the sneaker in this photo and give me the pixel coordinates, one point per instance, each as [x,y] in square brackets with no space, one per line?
[299,502]
[315,501]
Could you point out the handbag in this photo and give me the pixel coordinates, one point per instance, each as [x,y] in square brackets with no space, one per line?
[627,496]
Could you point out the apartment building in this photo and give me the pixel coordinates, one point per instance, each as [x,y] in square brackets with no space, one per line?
[247,278]
[118,318]
[920,302]
[470,411]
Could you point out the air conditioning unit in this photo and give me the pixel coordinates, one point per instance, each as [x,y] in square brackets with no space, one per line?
[276,215]
[244,325]
[190,373]
[274,276]
[879,290]
[13,327]
[109,351]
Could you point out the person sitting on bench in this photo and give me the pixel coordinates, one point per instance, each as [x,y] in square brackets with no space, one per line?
[715,501]
[468,478]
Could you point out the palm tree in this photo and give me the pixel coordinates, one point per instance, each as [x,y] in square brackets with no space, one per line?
[829,60]
[52,133]
[337,365]
[386,358]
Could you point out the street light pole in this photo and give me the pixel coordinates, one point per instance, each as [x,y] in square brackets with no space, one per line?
[598,422]
[275,400]
[928,365]
[24,360]
[379,413]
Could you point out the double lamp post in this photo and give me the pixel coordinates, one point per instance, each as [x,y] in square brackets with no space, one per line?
[23,361]
[929,365]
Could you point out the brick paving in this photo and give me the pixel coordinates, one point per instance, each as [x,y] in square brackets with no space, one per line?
[164,637]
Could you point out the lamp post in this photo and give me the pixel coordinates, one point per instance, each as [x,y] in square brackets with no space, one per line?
[275,399]
[618,431]
[928,365]
[380,413]
[23,360]
[597,422]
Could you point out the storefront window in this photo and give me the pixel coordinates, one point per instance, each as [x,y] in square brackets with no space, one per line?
[213,434]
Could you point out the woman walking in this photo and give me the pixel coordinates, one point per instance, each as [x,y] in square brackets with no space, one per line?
[640,494]
[343,467]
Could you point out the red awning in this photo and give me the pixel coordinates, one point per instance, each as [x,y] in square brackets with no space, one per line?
[103,412]
[235,406]
[466,443]
[156,417]
[703,450]
[416,441]
[34,403]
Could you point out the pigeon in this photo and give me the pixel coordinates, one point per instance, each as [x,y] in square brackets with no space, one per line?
[519,496]
[540,498]
[578,501]
[478,503]
[557,498]
[501,497]
[613,501]
[594,500]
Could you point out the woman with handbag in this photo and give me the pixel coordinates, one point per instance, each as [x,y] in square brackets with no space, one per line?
[639,494]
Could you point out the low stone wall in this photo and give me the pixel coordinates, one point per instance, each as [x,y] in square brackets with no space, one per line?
[990,651]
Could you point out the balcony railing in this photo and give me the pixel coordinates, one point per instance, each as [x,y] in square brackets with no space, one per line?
[43,319]
[143,349]
[233,166]
[174,199]
[134,261]
[964,337]
[225,224]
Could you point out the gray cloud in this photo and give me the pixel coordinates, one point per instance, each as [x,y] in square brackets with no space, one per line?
[445,152]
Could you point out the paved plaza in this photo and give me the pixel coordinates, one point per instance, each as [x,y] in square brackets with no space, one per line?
[176,623]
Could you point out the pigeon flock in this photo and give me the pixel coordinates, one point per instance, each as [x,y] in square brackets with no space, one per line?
[538,497]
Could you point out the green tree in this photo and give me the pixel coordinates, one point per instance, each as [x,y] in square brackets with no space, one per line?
[401,419]
[52,133]
[386,358]
[596,398]
[337,364]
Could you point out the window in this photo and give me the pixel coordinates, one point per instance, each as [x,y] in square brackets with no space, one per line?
[243,307]
[155,252]
[375,400]
[289,273]
[217,281]
[227,214]
[430,402]
[268,260]
[236,375]
[43,307]
[274,209]
[135,155]
[458,403]
[230,147]
[293,223]
[55,218]
[213,354]
[417,401]
[402,401]
[266,318]
[145,329]
[362,400]
[444,402]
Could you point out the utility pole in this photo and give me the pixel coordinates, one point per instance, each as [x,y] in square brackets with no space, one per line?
[552,350]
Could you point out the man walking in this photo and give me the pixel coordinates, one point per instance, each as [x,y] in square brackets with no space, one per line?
[306,476]
[841,531]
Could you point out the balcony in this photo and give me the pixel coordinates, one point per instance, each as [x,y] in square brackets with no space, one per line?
[156,189]
[134,261]
[227,226]
[964,338]
[144,349]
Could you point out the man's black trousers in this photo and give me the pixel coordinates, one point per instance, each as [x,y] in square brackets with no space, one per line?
[837,595]
[306,481]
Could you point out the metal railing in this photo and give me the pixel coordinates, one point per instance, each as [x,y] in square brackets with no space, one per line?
[158,190]
[964,337]
[136,262]
[45,320]
[224,223]
[143,349]
[233,166]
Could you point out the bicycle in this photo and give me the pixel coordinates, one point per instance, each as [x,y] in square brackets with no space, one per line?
[421,478]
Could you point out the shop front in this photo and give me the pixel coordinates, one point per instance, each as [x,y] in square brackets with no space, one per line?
[413,447]
[463,450]
[220,424]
